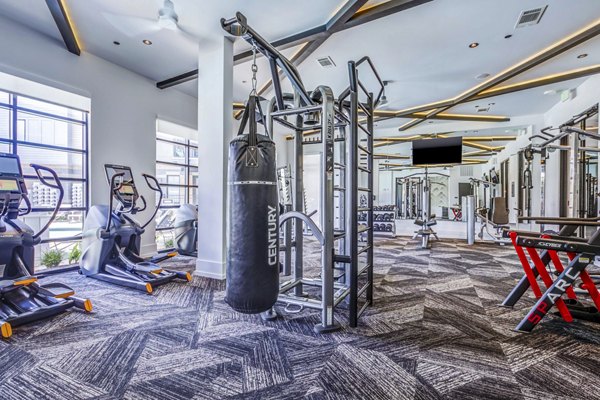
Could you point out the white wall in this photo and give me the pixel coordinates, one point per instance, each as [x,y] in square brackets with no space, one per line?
[125,105]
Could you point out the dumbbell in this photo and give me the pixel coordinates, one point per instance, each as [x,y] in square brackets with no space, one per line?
[388,228]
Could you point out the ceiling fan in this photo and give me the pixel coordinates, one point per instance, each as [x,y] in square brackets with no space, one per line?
[133,26]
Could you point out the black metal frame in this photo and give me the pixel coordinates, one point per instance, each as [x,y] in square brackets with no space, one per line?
[330,114]
[188,187]
[61,18]
[13,142]
[349,16]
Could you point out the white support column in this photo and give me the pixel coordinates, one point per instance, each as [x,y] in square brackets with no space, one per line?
[375,173]
[215,130]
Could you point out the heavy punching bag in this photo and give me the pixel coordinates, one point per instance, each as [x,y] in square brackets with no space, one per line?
[253,214]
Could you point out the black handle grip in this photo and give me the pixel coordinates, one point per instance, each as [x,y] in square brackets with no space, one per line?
[56,184]
[152,182]
[154,185]
[114,191]
[140,209]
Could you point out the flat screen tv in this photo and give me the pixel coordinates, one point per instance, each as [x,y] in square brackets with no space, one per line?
[437,151]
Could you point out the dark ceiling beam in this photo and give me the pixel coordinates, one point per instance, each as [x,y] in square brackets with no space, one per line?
[61,18]
[382,10]
[548,53]
[360,17]
[285,43]
[321,33]
[177,80]
[332,26]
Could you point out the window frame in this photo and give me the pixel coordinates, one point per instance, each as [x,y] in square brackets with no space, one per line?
[188,145]
[14,143]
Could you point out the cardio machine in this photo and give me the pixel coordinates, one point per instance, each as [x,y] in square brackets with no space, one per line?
[186,230]
[22,298]
[111,237]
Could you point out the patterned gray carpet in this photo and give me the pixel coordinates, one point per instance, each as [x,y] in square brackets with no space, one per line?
[435,332]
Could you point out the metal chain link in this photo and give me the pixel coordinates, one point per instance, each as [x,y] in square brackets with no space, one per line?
[254,71]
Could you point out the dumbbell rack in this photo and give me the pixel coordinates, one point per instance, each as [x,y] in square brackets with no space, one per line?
[378,212]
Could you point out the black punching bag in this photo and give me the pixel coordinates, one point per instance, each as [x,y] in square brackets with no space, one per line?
[252,225]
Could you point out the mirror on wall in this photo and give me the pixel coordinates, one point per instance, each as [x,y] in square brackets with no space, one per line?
[493,166]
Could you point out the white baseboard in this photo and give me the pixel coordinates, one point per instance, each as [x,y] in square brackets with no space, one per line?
[210,269]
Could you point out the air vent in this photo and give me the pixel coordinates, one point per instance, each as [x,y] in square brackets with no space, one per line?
[530,17]
[483,109]
[466,170]
[326,62]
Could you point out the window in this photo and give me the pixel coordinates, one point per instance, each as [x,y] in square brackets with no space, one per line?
[177,172]
[56,137]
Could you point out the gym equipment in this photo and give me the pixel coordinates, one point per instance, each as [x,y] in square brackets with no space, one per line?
[428,220]
[492,212]
[581,253]
[525,181]
[346,152]
[22,298]
[574,189]
[252,223]
[111,238]
[186,230]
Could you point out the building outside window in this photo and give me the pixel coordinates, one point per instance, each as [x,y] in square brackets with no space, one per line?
[177,172]
[56,137]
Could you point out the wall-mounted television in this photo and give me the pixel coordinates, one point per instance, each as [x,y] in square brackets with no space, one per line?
[437,151]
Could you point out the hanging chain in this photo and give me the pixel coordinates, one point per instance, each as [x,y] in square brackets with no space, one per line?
[254,70]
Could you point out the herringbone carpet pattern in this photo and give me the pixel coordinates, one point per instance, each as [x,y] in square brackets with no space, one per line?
[435,332]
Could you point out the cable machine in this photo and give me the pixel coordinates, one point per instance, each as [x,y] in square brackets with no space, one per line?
[571,141]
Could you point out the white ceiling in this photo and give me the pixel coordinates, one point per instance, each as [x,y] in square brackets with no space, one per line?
[424,50]
[100,22]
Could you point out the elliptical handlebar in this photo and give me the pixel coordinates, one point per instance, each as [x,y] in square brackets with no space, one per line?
[25,211]
[55,184]
[153,184]
[114,190]
[140,209]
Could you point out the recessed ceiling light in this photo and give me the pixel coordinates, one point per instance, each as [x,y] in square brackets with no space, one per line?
[116,43]
[147,42]
[491,104]
[431,122]
[473,45]
[550,92]
[482,76]
[508,36]
[584,55]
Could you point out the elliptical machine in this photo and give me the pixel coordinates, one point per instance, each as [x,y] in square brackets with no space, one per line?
[111,238]
[186,230]
[22,298]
